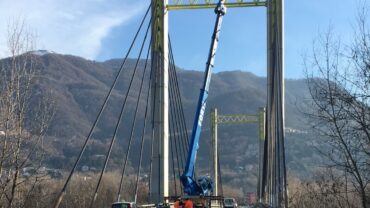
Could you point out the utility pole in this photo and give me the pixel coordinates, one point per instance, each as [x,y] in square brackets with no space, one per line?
[159,164]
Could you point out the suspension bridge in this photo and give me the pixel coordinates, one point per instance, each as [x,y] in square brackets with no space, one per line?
[159,113]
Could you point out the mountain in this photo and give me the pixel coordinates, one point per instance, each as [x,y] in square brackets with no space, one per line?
[79,87]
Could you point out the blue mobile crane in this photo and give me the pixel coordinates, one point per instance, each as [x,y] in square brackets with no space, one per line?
[203,185]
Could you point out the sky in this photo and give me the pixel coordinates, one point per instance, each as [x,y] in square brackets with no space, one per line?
[101,30]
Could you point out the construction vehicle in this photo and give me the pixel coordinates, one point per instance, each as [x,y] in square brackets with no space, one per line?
[230,203]
[203,185]
[196,189]
[124,205]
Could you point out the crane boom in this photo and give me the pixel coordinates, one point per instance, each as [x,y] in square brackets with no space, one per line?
[202,186]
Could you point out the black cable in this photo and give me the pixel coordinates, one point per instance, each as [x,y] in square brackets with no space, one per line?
[174,85]
[134,121]
[174,117]
[281,120]
[184,147]
[173,161]
[180,118]
[219,174]
[171,132]
[154,95]
[179,161]
[118,123]
[174,126]
[61,195]
[179,135]
[265,162]
[178,93]
[145,122]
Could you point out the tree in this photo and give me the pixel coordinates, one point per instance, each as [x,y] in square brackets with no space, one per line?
[338,78]
[80,194]
[326,189]
[25,113]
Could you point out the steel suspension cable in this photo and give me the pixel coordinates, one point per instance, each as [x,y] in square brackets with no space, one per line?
[178,104]
[281,122]
[172,138]
[174,145]
[173,166]
[174,119]
[177,132]
[181,137]
[179,161]
[119,121]
[281,98]
[152,140]
[145,121]
[219,174]
[180,118]
[62,193]
[174,127]
[178,93]
[134,121]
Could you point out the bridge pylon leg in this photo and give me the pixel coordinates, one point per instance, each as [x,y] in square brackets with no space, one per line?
[159,160]
[276,184]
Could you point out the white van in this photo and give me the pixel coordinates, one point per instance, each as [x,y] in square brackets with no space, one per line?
[230,203]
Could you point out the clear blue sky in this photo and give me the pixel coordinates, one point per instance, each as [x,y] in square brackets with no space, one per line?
[100,30]
[243,37]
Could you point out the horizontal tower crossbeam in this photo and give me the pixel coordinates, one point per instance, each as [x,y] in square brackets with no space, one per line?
[237,119]
[209,4]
